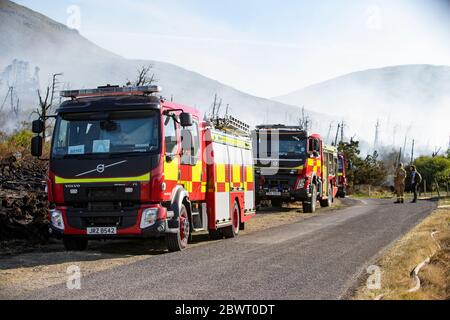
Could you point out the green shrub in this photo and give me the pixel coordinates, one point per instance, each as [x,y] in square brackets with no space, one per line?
[21,139]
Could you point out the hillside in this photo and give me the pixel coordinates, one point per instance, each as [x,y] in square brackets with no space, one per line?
[401,97]
[41,42]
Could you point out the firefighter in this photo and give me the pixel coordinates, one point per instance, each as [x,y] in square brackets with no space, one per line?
[400,177]
[416,179]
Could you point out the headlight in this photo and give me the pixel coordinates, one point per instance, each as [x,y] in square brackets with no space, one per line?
[149,217]
[300,184]
[57,219]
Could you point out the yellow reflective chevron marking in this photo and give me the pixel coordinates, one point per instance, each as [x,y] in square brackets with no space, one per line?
[144,178]
[250,174]
[220,173]
[171,170]
[236,173]
[197,172]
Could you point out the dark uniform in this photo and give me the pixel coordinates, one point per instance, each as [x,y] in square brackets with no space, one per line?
[416,179]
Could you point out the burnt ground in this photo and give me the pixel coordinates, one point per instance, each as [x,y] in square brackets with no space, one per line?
[23,202]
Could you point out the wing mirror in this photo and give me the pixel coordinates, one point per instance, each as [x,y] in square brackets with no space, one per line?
[36,146]
[186,119]
[37,126]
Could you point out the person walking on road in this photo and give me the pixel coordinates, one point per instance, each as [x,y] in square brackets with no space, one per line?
[416,179]
[400,178]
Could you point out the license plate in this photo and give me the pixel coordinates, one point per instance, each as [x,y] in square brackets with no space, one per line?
[274,193]
[100,231]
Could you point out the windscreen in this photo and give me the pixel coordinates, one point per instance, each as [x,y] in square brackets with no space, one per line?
[110,133]
[282,146]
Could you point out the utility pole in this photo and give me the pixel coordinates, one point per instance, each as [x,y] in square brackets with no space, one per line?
[399,159]
[55,83]
[329,132]
[394,137]
[6,97]
[342,131]
[412,150]
[377,135]
[337,134]
[214,106]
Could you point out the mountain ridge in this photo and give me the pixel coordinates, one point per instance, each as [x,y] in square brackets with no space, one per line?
[40,41]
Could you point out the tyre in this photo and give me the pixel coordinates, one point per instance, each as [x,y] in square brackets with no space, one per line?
[328,201]
[179,241]
[233,230]
[74,244]
[276,203]
[310,207]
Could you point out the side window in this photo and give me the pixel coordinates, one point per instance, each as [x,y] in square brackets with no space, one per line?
[196,140]
[191,144]
[170,135]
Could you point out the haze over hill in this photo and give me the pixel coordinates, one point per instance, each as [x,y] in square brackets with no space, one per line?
[34,40]
[412,100]
[408,100]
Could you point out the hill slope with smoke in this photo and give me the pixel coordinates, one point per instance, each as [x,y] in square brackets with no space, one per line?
[33,41]
[412,100]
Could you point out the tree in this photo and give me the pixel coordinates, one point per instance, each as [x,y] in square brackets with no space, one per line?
[434,169]
[371,171]
[46,102]
[144,78]
[365,171]
[351,152]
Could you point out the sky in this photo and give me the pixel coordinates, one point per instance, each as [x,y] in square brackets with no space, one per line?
[264,47]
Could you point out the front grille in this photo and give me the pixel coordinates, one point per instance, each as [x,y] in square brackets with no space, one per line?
[279,183]
[103,221]
[91,193]
[82,219]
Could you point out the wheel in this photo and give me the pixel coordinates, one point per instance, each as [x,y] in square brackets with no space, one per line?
[179,241]
[327,202]
[342,193]
[233,230]
[310,207]
[74,244]
[278,203]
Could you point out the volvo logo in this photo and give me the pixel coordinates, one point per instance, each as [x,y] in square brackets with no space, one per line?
[101,168]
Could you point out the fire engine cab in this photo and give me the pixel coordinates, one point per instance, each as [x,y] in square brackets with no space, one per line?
[292,165]
[125,163]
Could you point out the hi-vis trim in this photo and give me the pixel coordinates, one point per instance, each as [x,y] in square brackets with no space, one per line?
[281,168]
[144,178]
[231,141]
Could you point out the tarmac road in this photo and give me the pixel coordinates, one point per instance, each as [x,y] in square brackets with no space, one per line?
[319,258]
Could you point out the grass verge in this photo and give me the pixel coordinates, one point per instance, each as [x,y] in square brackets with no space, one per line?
[398,263]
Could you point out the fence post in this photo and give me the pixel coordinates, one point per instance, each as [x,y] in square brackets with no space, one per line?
[425,187]
[437,186]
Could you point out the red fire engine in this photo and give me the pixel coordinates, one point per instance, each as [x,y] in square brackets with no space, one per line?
[342,184]
[292,165]
[125,163]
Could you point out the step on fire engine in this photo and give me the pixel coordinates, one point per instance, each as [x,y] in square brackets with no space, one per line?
[292,165]
[125,163]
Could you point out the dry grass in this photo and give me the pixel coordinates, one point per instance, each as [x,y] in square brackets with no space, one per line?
[398,263]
